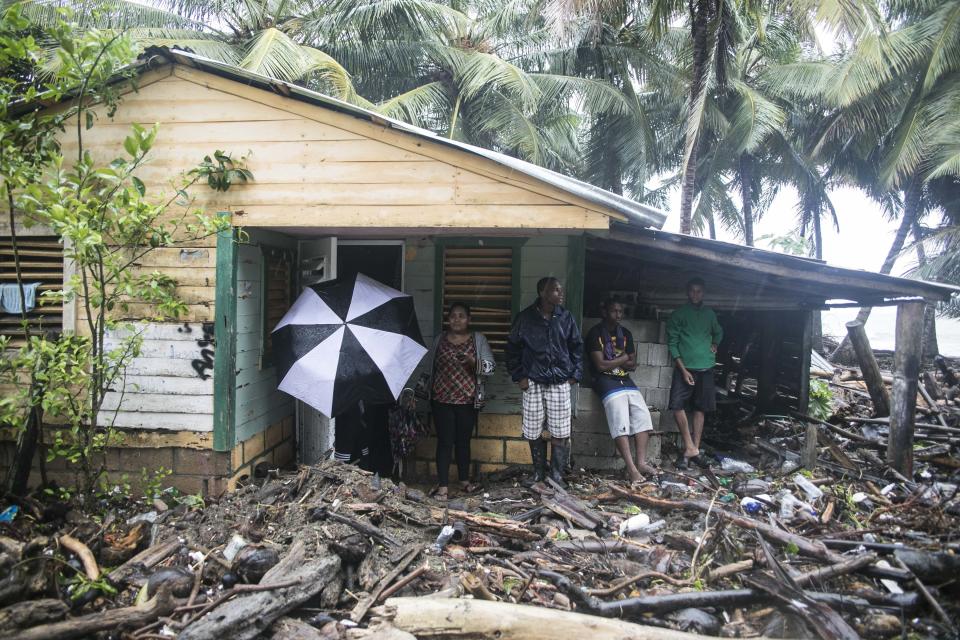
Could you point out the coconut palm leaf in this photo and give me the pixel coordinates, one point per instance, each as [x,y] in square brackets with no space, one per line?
[418,106]
[754,119]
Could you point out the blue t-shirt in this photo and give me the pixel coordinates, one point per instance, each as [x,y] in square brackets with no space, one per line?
[616,380]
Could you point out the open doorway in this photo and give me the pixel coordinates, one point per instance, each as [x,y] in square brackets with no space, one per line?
[381,260]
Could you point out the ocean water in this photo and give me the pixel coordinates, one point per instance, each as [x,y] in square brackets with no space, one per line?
[882,325]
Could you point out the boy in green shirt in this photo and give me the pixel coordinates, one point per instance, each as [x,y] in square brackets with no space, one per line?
[693,334]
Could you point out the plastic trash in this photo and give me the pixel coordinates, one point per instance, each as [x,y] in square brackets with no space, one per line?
[811,490]
[237,542]
[751,487]
[634,523]
[9,513]
[149,517]
[445,535]
[731,464]
[751,505]
[789,466]
[640,525]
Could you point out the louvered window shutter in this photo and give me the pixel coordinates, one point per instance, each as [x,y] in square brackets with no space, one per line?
[41,261]
[481,277]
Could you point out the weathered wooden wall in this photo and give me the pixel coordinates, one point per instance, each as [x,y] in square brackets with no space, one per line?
[259,403]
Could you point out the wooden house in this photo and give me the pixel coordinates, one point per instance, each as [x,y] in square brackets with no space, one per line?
[338,188]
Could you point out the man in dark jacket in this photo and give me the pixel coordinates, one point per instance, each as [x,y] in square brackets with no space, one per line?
[545,357]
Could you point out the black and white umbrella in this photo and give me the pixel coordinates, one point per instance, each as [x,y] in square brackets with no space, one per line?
[347,340]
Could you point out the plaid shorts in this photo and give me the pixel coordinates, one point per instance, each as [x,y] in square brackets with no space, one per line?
[548,403]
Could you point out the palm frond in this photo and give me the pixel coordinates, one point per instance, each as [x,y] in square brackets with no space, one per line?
[755,118]
[418,105]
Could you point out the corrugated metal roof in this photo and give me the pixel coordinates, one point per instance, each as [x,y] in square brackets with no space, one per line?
[835,282]
[635,212]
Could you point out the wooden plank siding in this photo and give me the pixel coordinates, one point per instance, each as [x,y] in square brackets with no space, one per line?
[314,167]
[258,402]
[169,386]
[318,169]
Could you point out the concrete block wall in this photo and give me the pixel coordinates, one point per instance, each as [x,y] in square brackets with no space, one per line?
[497,445]
[499,442]
[274,446]
[593,447]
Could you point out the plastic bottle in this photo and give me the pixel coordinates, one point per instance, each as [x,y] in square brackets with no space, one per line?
[788,504]
[445,534]
[750,505]
[634,524]
[812,491]
[731,464]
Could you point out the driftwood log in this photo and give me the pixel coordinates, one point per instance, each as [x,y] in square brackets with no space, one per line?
[133,569]
[113,619]
[869,367]
[488,524]
[30,613]
[248,615]
[460,618]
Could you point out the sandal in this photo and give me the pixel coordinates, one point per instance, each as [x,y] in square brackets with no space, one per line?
[469,488]
[435,493]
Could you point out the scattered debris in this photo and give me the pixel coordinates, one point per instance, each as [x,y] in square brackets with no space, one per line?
[749,544]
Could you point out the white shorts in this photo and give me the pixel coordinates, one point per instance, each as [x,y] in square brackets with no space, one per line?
[627,413]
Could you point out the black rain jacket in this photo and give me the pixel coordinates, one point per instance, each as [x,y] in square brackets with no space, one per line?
[545,351]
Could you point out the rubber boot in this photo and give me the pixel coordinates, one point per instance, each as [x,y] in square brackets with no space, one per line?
[538,452]
[558,461]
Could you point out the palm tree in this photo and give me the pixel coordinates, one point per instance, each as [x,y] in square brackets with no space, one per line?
[894,100]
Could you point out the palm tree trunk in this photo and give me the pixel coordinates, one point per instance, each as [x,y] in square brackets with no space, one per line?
[911,207]
[746,195]
[930,346]
[699,25]
[817,337]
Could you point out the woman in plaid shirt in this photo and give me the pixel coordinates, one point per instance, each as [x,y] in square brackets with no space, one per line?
[460,360]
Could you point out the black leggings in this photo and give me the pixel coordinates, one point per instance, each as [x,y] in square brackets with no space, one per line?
[454,424]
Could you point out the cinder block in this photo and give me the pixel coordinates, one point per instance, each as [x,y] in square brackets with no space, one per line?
[642,350]
[644,330]
[487,467]
[592,423]
[253,447]
[647,376]
[659,355]
[655,398]
[139,459]
[236,457]
[204,463]
[273,435]
[426,448]
[655,418]
[668,424]
[517,452]
[593,444]
[487,450]
[666,377]
[499,425]
[188,483]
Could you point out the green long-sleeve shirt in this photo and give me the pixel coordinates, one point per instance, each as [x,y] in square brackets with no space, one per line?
[690,332]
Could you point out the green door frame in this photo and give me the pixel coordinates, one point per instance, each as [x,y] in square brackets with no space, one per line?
[225,341]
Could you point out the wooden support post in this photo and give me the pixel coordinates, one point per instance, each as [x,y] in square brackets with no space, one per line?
[869,368]
[808,457]
[767,376]
[906,370]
